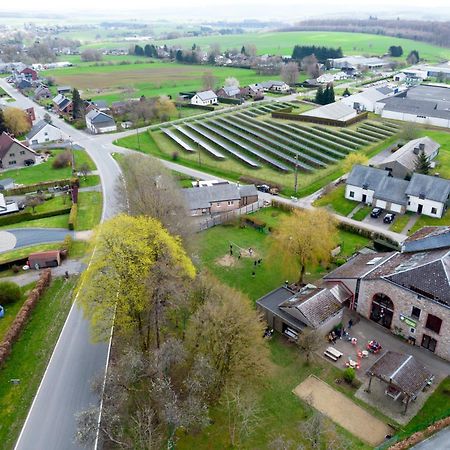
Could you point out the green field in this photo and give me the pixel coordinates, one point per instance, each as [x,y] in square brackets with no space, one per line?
[89,210]
[110,83]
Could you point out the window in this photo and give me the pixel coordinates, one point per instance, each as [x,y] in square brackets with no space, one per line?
[434,323]
[433,210]
[12,163]
[351,194]
[22,152]
[45,134]
[12,155]
[230,203]
[415,313]
[429,343]
[218,204]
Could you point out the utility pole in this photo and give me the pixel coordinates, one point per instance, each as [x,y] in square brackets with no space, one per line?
[296,174]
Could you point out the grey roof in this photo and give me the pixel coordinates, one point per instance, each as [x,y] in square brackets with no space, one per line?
[206,95]
[366,177]
[429,93]
[272,301]
[406,156]
[38,126]
[429,187]
[335,111]
[202,197]
[427,238]
[392,190]
[24,84]
[6,183]
[402,371]
[100,104]
[385,90]
[64,88]
[231,90]
[99,118]
[248,190]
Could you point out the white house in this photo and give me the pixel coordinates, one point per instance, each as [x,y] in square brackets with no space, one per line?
[423,194]
[7,207]
[326,78]
[366,100]
[43,132]
[204,98]
[277,86]
[98,122]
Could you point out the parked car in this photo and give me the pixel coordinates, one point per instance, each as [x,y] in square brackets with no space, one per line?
[263,187]
[28,162]
[376,212]
[389,218]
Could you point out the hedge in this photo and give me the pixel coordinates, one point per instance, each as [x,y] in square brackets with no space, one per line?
[21,319]
[42,186]
[24,216]
[73,217]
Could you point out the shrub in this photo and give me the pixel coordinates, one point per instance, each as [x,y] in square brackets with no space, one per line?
[67,243]
[256,223]
[62,160]
[15,268]
[73,217]
[9,292]
[175,156]
[349,375]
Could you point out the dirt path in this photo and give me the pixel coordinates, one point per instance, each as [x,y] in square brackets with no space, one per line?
[342,410]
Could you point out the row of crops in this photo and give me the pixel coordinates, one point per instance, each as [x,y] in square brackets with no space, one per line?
[281,145]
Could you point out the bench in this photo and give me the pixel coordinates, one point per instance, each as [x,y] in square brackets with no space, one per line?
[334,352]
[329,355]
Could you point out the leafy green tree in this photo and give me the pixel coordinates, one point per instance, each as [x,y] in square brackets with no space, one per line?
[396,50]
[413,57]
[423,164]
[9,293]
[138,50]
[319,96]
[346,93]
[328,95]
[77,103]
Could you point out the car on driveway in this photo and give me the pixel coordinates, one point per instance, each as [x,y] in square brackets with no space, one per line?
[389,218]
[263,187]
[376,212]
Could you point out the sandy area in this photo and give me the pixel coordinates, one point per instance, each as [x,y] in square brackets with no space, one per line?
[342,410]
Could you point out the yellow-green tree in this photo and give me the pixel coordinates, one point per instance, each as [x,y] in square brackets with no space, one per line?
[352,159]
[132,255]
[305,237]
[16,121]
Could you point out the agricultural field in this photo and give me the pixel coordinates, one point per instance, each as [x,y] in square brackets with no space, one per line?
[249,146]
[282,43]
[113,82]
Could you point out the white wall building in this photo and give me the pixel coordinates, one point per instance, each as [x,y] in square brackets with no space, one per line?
[98,122]
[366,100]
[204,98]
[43,132]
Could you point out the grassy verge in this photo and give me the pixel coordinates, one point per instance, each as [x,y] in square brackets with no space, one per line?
[337,201]
[89,181]
[89,210]
[49,222]
[400,223]
[29,358]
[362,213]
[425,221]
[81,157]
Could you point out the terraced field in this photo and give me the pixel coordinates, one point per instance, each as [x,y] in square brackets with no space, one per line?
[252,138]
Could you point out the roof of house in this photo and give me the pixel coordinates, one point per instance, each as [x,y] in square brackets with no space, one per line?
[24,84]
[392,189]
[402,371]
[6,141]
[37,127]
[372,94]
[46,254]
[357,60]
[6,182]
[406,155]
[231,90]
[366,177]
[206,95]
[99,118]
[62,101]
[429,187]
[270,83]
[335,111]
[100,104]
[2,201]
[248,190]
[427,238]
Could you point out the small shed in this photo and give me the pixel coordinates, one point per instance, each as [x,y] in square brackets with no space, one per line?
[40,260]
[403,374]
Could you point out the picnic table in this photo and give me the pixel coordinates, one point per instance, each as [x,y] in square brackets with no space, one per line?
[332,353]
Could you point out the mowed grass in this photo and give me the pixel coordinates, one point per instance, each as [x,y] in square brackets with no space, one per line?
[150,79]
[81,157]
[426,221]
[443,159]
[400,222]
[161,146]
[362,213]
[336,201]
[60,221]
[89,210]
[29,358]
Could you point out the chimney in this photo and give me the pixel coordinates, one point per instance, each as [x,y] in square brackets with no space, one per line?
[422,146]
[416,150]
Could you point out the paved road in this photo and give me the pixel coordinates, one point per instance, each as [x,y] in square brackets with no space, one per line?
[32,236]
[65,388]
[440,441]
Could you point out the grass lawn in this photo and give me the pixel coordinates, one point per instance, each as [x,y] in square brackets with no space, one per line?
[159,145]
[149,79]
[60,221]
[400,223]
[425,221]
[81,157]
[89,180]
[89,210]
[362,213]
[443,159]
[37,173]
[29,358]
[279,410]
[58,202]
[215,243]
[337,202]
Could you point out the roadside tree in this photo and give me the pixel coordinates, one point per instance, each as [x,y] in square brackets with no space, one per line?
[16,121]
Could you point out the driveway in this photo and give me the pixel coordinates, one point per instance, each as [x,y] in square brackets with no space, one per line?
[33,236]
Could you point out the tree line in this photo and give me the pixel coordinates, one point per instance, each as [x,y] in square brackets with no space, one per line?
[321,53]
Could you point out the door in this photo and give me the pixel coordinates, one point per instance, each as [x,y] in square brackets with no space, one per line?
[419,208]
[429,343]
[364,198]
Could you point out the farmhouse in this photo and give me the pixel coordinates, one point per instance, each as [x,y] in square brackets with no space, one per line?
[402,162]
[99,105]
[29,74]
[255,91]
[421,104]
[22,85]
[219,198]
[291,309]
[43,132]
[62,105]
[277,86]
[407,293]
[7,207]
[366,100]
[99,122]
[64,89]
[423,194]
[229,92]
[204,98]
[42,91]
[13,153]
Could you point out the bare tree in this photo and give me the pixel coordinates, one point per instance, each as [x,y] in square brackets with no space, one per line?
[34,200]
[309,341]
[208,80]
[311,66]
[250,50]
[84,169]
[289,73]
[231,82]
[91,54]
